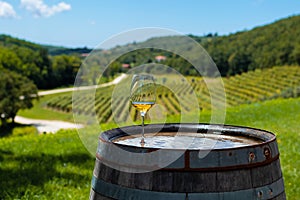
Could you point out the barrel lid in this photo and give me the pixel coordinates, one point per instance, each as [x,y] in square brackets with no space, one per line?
[261,136]
[143,159]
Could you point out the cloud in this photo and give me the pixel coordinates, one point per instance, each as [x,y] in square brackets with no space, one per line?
[6,10]
[40,9]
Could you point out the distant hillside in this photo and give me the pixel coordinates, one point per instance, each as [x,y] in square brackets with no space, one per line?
[275,44]
[10,42]
[55,50]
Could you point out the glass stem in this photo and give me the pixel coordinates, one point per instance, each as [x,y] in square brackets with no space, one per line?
[143,131]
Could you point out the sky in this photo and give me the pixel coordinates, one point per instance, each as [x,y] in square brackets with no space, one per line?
[78,23]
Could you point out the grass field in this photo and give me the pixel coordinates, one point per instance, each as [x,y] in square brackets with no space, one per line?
[57,166]
[44,167]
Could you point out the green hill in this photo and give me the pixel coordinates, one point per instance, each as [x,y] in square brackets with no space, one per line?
[12,42]
[275,44]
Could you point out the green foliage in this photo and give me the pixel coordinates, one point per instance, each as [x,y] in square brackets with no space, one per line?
[34,62]
[16,92]
[275,44]
[8,41]
[17,130]
[9,60]
[64,69]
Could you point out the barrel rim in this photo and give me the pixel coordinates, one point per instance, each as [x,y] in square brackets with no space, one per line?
[108,136]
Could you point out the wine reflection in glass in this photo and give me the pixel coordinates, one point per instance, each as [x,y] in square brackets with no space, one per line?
[143,96]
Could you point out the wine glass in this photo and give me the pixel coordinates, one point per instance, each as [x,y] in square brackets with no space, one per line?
[143,96]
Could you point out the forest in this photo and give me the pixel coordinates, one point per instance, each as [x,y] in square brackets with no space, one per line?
[275,44]
[37,64]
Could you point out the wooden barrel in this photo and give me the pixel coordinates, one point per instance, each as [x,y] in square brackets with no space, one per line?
[137,173]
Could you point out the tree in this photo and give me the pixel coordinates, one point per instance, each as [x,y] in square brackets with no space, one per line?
[295,56]
[64,69]
[16,92]
[9,60]
[238,62]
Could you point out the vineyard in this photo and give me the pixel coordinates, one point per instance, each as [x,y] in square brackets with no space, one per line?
[253,86]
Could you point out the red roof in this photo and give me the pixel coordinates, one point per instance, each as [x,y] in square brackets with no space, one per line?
[159,58]
[125,65]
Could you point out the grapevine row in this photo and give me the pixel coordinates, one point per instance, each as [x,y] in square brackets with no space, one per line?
[248,87]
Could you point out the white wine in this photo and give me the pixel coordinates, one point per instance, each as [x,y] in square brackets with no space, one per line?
[142,96]
[143,107]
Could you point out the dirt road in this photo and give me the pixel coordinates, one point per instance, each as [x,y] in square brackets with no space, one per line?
[47,126]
